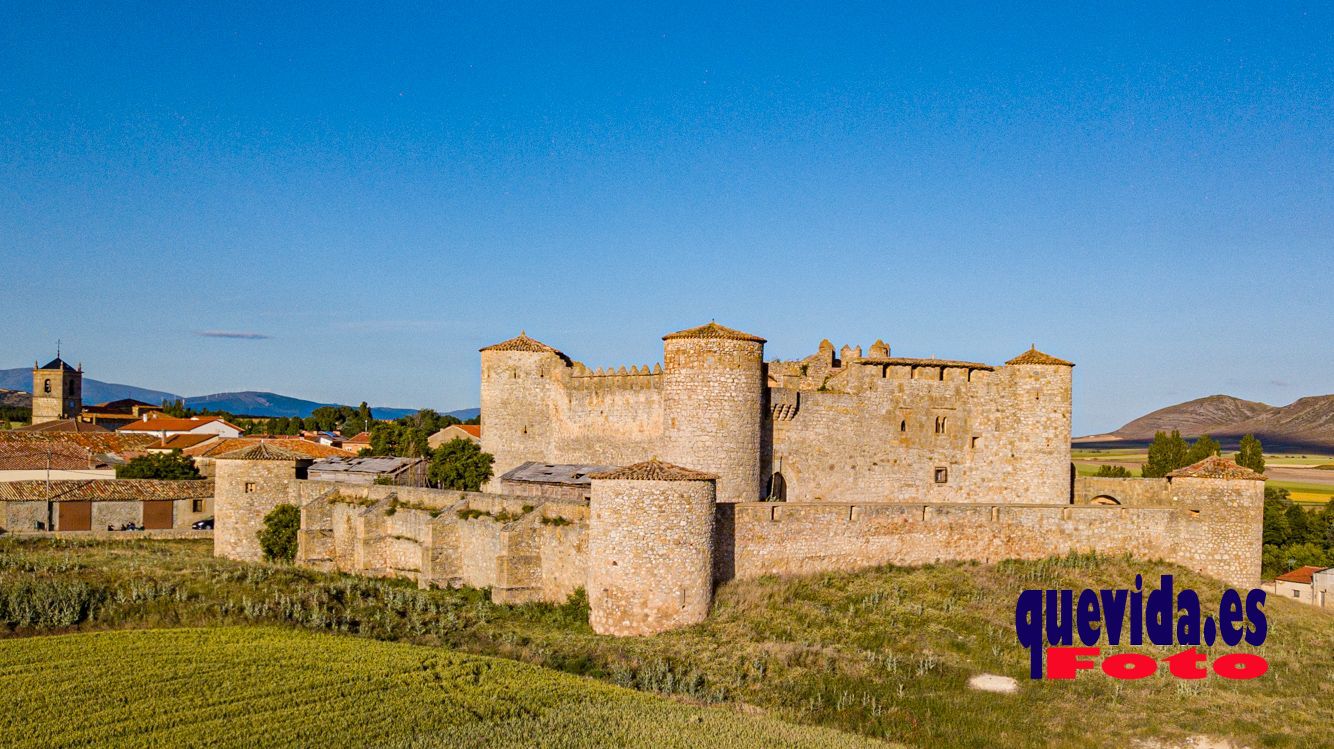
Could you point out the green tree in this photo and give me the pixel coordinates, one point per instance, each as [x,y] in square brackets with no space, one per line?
[1327,518]
[1250,454]
[1113,472]
[278,536]
[1204,447]
[1276,528]
[460,464]
[160,466]
[1166,454]
[1300,527]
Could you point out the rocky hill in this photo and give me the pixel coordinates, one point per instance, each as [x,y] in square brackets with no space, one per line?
[1305,424]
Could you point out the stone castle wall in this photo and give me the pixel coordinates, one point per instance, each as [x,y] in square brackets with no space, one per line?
[1215,533]
[1130,492]
[852,429]
[878,434]
[648,551]
[522,548]
[542,407]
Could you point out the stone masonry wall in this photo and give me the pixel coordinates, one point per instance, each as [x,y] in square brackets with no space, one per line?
[1130,492]
[881,434]
[650,555]
[713,401]
[522,548]
[1214,529]
[244,492]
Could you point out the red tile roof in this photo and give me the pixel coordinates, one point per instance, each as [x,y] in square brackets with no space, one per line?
[1300,575]
[63,425]
[115,443]
[170,424]
[56,456]
[182,441]
[104,491]
[306,448]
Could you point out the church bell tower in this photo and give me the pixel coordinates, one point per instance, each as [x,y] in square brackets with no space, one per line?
[57,391]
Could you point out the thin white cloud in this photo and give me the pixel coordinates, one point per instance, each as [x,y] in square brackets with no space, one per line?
[235,334]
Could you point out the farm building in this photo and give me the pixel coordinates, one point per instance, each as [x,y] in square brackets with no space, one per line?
[27,506]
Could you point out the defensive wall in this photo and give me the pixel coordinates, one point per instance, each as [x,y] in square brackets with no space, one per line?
[639,546]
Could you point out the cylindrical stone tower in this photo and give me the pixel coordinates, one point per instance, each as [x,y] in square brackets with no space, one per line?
[247,485]
[713,401]
[650,549]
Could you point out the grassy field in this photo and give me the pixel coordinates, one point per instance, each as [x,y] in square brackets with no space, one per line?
[262,686]
[883,653]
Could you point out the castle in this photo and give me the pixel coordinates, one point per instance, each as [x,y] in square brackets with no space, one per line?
[717,465]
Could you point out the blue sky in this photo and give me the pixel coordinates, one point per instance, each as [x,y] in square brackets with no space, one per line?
[378,190]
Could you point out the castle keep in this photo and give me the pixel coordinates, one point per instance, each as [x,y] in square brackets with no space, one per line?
[843,427]
[733,467]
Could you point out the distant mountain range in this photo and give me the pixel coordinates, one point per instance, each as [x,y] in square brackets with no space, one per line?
[1304,424]
[245,403]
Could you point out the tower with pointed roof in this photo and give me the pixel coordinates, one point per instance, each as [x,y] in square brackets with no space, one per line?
[650,548]
[519,395]
[57,391]
[713,406]
[248,484]
[1038,389]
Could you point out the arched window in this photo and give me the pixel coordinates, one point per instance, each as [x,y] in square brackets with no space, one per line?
[903,425]
[46,386]
[777,488]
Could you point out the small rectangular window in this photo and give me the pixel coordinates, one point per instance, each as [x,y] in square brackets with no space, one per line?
[974,442]
[249,487]
[1296,594]
[942,475]
[196,505]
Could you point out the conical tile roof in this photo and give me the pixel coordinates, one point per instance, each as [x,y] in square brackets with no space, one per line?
[713,330]
[653,470]
[1033,356]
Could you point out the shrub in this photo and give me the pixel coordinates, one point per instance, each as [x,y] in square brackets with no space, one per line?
[278,538]
[159,466]
[1113,472]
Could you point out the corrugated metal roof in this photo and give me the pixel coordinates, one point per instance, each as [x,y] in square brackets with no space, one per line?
[570,474]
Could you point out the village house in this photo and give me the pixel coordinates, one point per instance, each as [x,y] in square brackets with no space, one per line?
[168,426]
[469,432]
[29,506]
[1310,584]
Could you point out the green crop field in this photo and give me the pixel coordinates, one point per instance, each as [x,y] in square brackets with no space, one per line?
[271,687]
[882,653]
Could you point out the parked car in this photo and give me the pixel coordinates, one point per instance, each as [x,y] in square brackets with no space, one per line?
[203,525]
